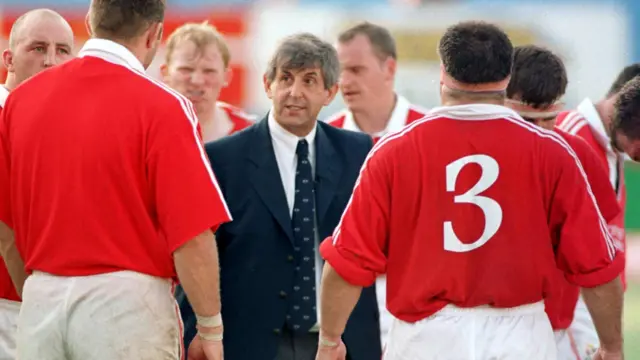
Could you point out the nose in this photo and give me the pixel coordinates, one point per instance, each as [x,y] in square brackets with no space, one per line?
[50,58]
[197,78]
[296,89]
[345,78]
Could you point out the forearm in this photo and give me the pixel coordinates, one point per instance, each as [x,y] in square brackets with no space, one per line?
[605,303]
[198,270]
[337,300]
[11,257]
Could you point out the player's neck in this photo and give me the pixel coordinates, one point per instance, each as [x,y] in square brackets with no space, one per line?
[603,115]
[376,118]
[207,117]
[11,82]
[472,101]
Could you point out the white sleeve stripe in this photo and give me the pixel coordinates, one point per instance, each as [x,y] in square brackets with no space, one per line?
[574,130]
[558,139]
[385,139]
[571,119]
[187,107]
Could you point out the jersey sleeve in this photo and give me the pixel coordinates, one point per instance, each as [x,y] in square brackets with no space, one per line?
[187,197]
[598,180]
[584,247]
[5,202]
[357,249]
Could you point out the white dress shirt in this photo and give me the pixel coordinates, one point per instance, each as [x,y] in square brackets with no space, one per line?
[284,148]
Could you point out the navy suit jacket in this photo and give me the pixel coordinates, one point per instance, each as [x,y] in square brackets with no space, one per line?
[256,248]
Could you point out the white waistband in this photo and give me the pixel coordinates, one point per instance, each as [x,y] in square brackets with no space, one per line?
[487,310]
[9,305]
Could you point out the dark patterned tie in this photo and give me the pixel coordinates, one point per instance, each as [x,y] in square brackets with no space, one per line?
[302,311]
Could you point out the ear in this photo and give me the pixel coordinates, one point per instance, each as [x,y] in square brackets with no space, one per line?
[164,72]
[7,60]
[331,94]
[267,86]
[154,35]
[87,24]
[391,66]
[228,76]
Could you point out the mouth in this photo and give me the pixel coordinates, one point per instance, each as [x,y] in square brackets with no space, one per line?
[195,95]
[348,94]
[294,107]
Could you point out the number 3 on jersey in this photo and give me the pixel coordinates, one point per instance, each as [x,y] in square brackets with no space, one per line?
[491,209]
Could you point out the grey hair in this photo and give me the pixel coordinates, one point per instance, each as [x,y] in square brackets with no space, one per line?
[305,51]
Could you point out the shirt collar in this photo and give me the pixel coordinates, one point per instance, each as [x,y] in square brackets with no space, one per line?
[4,93]
[474,112]
[590,113]
[288,139]
[397,121]
[112,52]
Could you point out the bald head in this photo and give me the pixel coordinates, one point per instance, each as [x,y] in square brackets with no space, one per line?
[39,39]
[34,19]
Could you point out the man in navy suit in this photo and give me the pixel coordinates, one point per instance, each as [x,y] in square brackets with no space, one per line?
[287,180]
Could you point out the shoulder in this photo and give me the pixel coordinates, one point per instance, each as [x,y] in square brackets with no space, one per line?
[351,140]
[416,112]
[571,122]
[231,146]
[337,119]
[237,114]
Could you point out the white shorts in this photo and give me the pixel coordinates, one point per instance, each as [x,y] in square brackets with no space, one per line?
[580,341]
[9,311]
[482,333]
[121,315]
[386,319]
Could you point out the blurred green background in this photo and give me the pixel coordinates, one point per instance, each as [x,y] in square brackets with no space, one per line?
[632,297]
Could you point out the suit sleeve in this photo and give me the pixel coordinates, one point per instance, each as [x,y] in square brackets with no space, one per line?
[187,196]
[5,204]
[585,250]
[357,249]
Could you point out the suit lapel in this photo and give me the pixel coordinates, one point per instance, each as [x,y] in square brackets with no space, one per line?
[266,179]
[328,171]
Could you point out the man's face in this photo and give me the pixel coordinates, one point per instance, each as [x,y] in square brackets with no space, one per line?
[363,76]
[627,145]
[197,74]
[42,43]
[298,95]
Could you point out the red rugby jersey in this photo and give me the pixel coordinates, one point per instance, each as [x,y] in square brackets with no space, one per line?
[403,113]
[561,303]
[7,290]
[483,213]
[105,168]
[585,122]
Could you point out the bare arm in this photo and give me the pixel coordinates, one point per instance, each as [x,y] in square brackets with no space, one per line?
[605,304]
[337,300]
[12,258]
[198,270]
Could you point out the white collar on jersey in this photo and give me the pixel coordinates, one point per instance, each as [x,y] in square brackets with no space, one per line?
[397,121]
[4,93]
[474,112]
[590,113]
[112,52]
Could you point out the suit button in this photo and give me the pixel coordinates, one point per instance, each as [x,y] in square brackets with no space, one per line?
[276,331]
[290,258]
[283,294]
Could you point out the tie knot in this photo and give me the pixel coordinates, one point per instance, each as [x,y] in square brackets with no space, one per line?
[302,150]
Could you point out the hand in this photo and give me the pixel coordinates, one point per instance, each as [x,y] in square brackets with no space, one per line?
[334,353]
[603,354]
[205,350]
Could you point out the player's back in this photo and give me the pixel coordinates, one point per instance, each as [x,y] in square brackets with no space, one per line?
[82,135]
[482,181]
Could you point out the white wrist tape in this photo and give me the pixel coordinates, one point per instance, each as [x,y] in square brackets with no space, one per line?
[209,321]
[327,343]
[210,337]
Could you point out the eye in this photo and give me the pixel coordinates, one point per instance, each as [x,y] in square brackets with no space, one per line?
[310,81]
[64,51]
[40,49]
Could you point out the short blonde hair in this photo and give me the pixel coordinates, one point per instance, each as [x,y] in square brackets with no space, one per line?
[202,35]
